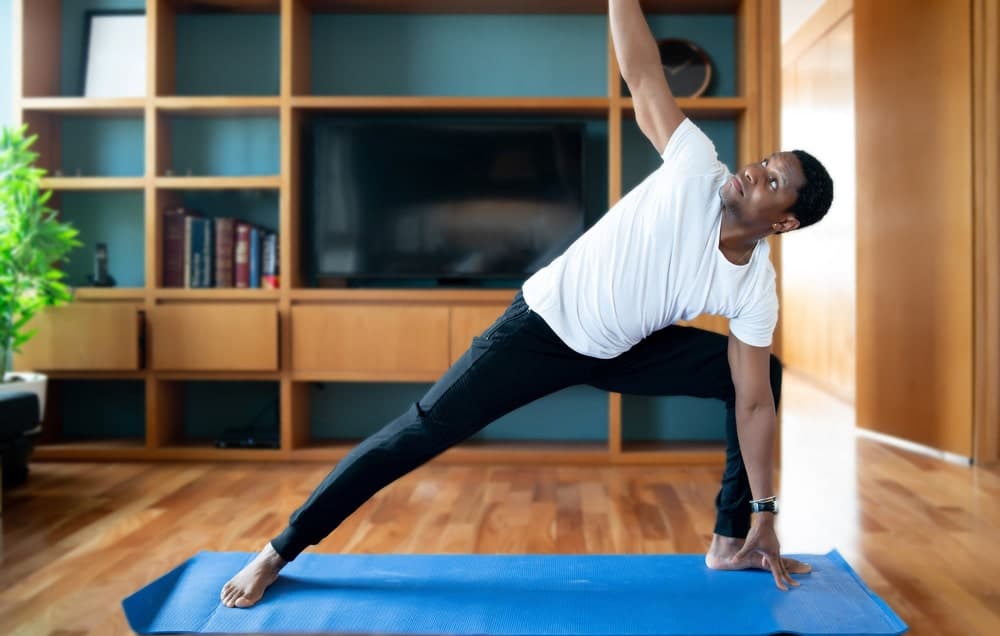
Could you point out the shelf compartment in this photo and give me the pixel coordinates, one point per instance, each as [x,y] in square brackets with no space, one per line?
[715,34]
[219,48]
[457,54]
[82,145]
[671,420]
[513,6]
[98,411]
[194,414]
[586,106]
[133,106]
[113,217]
[52,56]
[343,413]
[176,270]
[219,146]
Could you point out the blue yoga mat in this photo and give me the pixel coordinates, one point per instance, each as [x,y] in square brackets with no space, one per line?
[512,595]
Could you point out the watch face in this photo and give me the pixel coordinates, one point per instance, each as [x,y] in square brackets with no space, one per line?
[686,66]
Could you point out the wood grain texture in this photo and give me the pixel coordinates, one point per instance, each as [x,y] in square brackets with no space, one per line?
[986,113]
[201,337]
[37,60]
[361,338]
[913,98]
[819,271]
[80,537]
[467,322]
[111,342]
[513,6]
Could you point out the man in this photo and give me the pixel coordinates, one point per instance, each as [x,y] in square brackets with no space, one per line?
[690,239]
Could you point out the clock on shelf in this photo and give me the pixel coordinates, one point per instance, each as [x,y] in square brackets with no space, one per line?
[686,65]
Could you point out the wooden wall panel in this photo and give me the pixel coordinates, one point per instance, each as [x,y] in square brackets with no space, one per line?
[915,244]
[818,268]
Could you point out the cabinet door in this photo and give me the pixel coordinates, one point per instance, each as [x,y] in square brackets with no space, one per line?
[468,322]
[84,336]
[215,337]
[370,341]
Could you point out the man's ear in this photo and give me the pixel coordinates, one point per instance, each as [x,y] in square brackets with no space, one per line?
[787,224]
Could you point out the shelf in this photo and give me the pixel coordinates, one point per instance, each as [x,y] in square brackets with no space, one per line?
[86,374]
[89,450]
[85,105]
[93,183]
[701,107]
[219,183]
[405,295]
[226,6]
[594,106]
[513,6]
[671,453]
[208,452]
[221,375]
[109,293]
[529,452]
[219,105]
[216,293]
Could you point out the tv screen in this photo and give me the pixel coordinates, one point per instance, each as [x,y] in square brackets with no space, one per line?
[440,199]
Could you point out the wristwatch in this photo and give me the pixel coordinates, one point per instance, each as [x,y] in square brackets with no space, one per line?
[767,504]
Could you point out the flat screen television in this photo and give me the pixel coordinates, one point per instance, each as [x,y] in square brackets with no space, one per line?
[448,200]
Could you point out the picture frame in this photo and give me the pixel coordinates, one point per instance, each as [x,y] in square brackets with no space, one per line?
[114,54]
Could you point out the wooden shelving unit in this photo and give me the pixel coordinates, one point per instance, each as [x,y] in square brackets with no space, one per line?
[273,328]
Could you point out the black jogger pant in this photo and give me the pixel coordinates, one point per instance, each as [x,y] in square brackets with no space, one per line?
[517,360]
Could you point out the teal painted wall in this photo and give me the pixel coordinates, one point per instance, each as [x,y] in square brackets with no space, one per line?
[6,62]
[350,411]
[411,55]
[113,218]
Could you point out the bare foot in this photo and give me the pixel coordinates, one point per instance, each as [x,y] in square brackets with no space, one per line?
[724,548]
[247,587]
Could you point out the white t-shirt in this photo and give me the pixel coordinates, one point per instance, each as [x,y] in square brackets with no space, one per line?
[654,259]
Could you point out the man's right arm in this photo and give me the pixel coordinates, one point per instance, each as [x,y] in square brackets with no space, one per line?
[656,112]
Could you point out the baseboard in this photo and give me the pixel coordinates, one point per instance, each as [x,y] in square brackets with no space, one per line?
[914,447]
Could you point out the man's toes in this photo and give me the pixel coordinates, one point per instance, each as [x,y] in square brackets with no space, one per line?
[245,601]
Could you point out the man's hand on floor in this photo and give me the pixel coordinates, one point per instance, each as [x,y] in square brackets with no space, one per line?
[762,547]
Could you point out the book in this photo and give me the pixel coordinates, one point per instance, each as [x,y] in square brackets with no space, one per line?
[225,247]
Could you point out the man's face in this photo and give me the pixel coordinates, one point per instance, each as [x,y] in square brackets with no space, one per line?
[761,194]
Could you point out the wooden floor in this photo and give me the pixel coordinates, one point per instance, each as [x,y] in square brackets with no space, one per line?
[80,537]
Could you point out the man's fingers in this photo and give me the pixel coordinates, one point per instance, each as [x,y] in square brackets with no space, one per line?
[794,566]
[777,574]
[785,576]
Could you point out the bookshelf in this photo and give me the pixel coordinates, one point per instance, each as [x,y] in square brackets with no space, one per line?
[242,78]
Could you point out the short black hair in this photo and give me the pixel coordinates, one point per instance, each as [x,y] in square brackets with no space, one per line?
[816,194]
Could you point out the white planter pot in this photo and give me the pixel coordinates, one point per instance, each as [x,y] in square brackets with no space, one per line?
[17,381]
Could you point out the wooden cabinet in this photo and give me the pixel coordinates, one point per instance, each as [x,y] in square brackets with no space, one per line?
[470,321]
[93,336]
[214,337]
[376,340]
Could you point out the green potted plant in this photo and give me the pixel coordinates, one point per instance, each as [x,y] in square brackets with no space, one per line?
[33,241]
